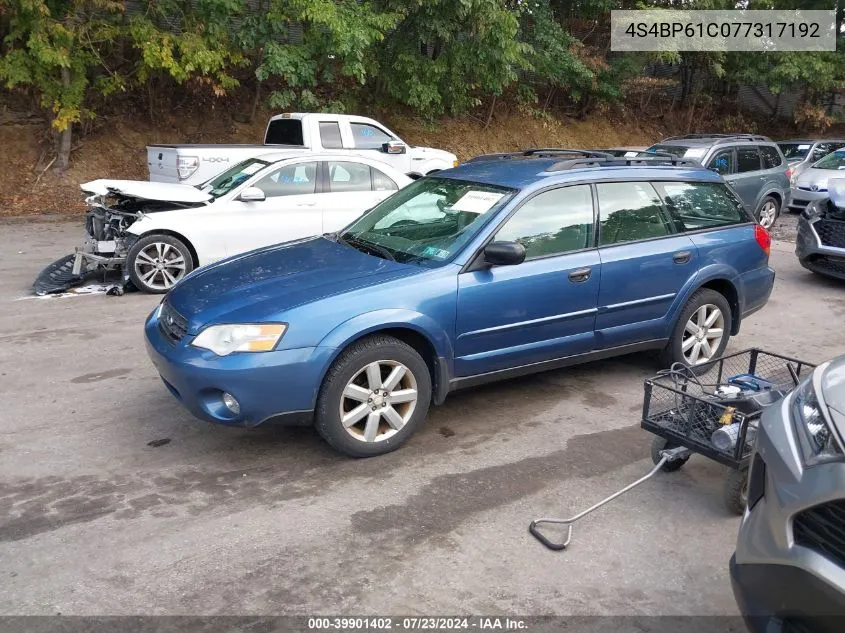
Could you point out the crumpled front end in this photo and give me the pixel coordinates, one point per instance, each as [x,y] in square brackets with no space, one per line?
[820,244]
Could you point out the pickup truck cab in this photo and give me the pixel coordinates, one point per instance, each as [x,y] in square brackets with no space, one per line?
[298,132]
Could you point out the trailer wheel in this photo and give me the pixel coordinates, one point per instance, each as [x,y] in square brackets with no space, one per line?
[736,490]
[659,444]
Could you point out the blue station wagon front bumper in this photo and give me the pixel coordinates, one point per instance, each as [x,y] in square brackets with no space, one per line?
[279,385]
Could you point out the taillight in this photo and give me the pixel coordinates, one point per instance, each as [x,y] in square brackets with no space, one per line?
[764,240]
[789,173]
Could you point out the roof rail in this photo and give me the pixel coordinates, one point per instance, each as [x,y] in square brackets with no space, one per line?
[720,137]
[541,152]
[613,161]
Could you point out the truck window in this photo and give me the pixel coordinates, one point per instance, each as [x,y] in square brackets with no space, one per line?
[284,132]
[330,135]
[369,136]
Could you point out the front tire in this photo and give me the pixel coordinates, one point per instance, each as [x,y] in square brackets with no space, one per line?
[157,262]
[702,331]
[373,398]
[768,212]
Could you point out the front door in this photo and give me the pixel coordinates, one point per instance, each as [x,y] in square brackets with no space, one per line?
[644,264]
[539,310]
[290,210]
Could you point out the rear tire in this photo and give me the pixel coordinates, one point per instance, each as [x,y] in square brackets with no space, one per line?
[768,212]
[701,306]
[363,410]
[157,262]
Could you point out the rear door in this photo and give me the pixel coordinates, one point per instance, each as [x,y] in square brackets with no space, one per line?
[351,188]
[748,179]
[645,261]
[544,308]
[289,211]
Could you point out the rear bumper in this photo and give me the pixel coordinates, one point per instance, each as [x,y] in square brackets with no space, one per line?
[757,287]
[777,598]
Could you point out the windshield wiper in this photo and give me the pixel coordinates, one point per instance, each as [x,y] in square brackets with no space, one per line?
[363,245]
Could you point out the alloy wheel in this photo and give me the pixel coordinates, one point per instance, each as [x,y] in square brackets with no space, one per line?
[379,400]
[703,334]
[159,265]
[768,214]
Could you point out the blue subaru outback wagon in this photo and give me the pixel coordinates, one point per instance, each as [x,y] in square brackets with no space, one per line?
[505,265]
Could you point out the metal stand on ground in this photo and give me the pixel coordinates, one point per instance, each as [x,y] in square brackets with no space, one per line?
[666,456]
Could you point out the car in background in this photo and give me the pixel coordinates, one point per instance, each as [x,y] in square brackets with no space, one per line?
[753,165]
[788,571]
[812,183]
[158,232]
[820,244]
[507,265]
[801,153]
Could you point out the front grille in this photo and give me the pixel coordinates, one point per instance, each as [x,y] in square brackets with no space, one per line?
[822,529]
[172,324]
[831,232]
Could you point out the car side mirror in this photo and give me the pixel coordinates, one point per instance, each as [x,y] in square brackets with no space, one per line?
[252,194]
[504,253]
[394,147]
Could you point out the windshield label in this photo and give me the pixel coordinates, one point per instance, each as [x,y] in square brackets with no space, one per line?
[436,253]
[477,201]
[803,147]
[695,153]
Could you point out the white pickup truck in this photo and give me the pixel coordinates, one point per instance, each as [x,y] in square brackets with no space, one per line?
[299,133]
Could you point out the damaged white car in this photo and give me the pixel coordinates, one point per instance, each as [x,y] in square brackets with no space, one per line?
[156,233]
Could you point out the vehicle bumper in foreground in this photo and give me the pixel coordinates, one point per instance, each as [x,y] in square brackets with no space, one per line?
[279,386]
[786,571]
[820,246]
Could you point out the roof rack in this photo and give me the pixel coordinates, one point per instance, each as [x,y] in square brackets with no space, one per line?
[720,137]
[613,161]
[541,152]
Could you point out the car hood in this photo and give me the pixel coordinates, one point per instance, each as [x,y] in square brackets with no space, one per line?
[262,284]
[429,153]
[144,190]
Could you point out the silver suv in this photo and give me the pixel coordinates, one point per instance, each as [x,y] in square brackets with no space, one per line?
[801,153]
[788,572]
[753,165]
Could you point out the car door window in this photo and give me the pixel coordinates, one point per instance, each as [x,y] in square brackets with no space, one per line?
[383,182]
[553,222]
[771,157]
[631,211]
[722,162]
[330,135]
[747,159]
[348,176]
[369,136]
[701,205]
[290,180]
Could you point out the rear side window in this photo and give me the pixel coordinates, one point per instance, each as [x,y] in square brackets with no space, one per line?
[701,205]
[284,132]
[330,135]
[747,159]
[630,211]
[347,176]
[369,136]
[771,157]
[383,182]
[722,162]
[553,222]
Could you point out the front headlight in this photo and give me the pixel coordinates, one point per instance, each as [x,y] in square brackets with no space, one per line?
[818,444]
[240,337]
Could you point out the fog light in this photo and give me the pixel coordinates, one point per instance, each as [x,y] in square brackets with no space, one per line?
[231,403]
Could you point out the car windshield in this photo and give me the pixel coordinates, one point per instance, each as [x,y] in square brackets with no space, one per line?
[427,222]
[793,151]
[231,178]
[836,160]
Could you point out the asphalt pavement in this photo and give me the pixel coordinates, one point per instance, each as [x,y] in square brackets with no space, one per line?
[113,500]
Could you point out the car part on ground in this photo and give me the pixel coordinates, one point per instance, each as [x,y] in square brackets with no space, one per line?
[688,408]
[788,571]
[473,278]
[820,244]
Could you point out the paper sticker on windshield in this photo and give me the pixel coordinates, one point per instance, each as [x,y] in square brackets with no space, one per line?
[434,252]
[477,201]
[695,152]
[803,147]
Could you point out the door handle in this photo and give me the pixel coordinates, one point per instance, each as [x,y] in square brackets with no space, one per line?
[580,274]
[682,258]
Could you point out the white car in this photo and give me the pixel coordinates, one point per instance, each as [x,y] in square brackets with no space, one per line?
[159,232]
